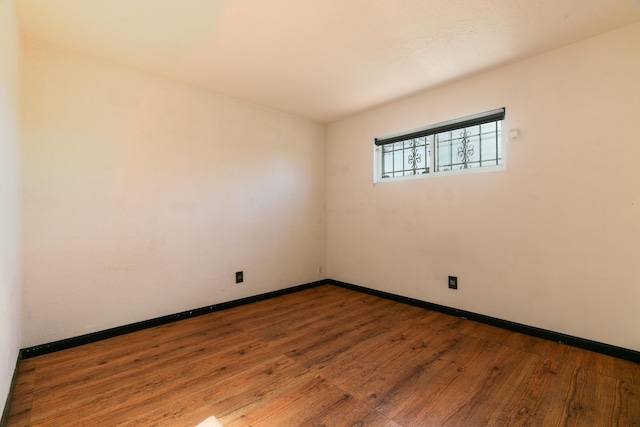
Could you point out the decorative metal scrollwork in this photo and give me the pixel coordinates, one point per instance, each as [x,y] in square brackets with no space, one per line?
[466,151]
[414,157]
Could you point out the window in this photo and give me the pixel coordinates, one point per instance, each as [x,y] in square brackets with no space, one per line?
[469,142]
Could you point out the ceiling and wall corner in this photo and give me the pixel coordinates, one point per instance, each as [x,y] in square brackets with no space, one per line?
[322,60]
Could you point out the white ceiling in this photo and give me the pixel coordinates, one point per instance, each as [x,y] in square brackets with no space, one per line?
[321,59]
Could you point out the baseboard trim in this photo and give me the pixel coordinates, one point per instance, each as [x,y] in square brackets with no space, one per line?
[607,349]
[12,386]
[158,321]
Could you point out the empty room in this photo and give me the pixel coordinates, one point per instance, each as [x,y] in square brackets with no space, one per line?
[319,213]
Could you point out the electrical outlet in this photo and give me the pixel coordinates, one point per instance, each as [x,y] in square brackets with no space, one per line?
[453,282]
[239,277]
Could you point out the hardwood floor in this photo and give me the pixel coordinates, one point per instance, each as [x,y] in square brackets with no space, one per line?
[328,357]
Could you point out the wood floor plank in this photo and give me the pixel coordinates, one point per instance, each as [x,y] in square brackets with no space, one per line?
[524,408]
[326,405]
[106,385]
[325,356]
[211,395]
[483,390]
[20,410]
[249,411]
[123,355]
[589,391]
[626,408]
[360,349]
[135,389]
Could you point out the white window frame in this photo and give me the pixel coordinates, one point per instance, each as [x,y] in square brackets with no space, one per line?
[492,116]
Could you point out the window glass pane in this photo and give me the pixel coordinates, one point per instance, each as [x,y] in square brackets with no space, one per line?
[444,137]
[488,127]
[488,147]
[409,157]
[426,162]
[398,160]
[472,130]
[499,140]
[443,158]
[387,163]
[456,146]
[406,165]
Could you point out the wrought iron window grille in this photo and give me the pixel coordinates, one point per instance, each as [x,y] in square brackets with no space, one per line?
[469,142]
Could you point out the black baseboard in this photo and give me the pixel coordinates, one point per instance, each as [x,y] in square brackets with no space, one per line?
[138,326]
[7,403]
[607,349]
[610,350]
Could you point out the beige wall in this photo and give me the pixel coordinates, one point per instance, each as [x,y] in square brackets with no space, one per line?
[10,298]
[553,241]
[143,196]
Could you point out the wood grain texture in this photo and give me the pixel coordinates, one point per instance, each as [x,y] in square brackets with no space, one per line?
[326,357]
